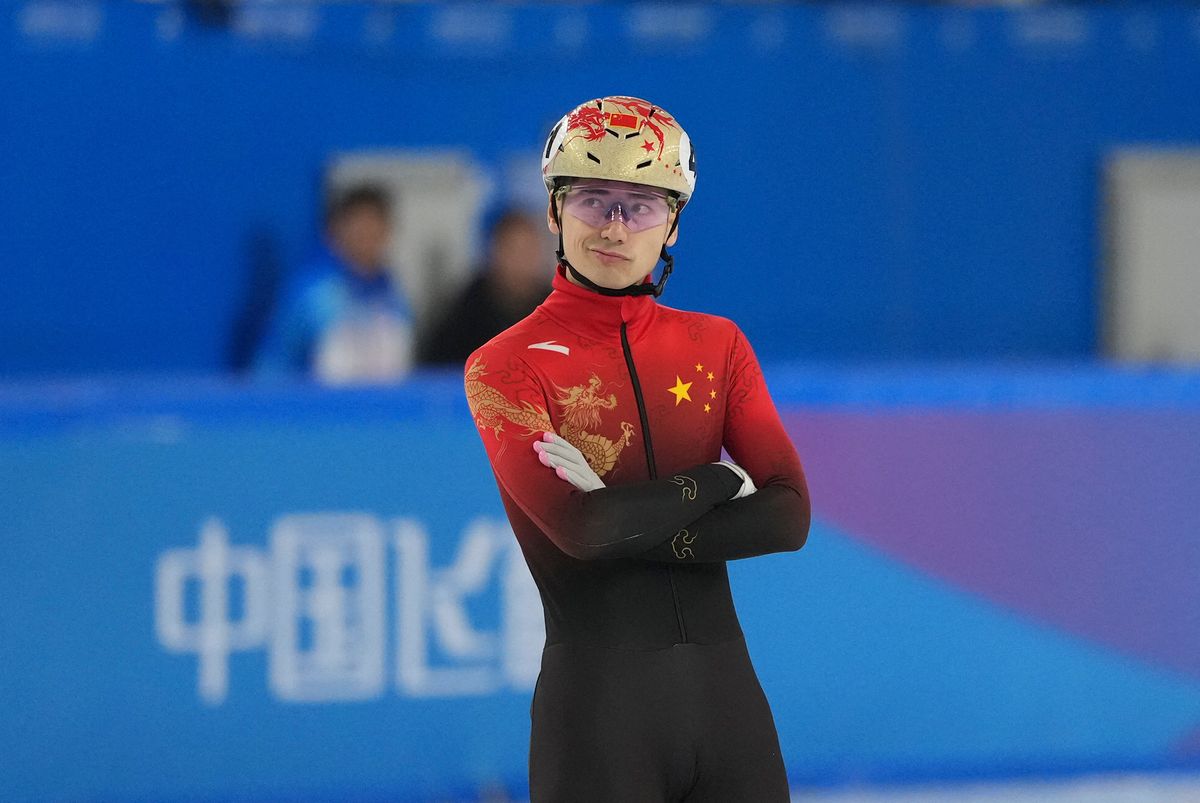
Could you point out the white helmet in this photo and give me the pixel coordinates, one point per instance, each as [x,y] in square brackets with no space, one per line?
[621,139]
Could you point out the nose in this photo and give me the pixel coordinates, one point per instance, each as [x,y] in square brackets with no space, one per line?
[615,229]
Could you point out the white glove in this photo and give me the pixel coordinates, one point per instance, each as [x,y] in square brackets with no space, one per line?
[747,483]
[567,461]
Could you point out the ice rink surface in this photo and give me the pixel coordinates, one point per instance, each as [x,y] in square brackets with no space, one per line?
[1103,789]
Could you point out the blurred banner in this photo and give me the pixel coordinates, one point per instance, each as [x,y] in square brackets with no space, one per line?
[905,181]
[1152,284]
[214,591]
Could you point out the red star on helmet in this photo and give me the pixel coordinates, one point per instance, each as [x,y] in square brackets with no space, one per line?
[647,145]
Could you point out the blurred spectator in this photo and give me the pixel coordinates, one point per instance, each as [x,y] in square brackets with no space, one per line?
[341,319]
[514,280]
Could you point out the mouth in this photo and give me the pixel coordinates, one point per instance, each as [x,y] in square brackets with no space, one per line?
[609,257]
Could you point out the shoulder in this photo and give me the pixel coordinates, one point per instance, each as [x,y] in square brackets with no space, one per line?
[318,270]
[313,281]
[528,330]
[716,334]
[699,325]
[512,345]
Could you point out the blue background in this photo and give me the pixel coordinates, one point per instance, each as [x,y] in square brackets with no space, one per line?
[874,180]
[901,205]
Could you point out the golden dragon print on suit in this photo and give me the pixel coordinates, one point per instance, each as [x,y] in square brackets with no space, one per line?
[581,406]
[490,409]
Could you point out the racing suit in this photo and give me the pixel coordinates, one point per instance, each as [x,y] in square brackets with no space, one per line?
[646,690]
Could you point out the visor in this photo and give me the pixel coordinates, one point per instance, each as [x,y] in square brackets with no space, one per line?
[599,203]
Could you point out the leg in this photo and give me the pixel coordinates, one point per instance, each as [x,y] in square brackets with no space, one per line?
[738,756]
[602,727]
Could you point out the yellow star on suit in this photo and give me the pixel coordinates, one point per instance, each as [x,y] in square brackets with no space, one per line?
[680,390]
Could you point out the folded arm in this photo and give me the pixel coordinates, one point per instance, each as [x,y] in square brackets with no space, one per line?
[774,519]
[615,522]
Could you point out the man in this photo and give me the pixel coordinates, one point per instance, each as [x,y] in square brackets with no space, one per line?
[604,415]
[515,279]
[342,320]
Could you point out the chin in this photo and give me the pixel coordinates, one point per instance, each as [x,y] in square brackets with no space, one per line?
[607,276]
[617,284]
[604,278]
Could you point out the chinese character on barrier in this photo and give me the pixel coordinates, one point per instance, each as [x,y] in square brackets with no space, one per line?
[317,602]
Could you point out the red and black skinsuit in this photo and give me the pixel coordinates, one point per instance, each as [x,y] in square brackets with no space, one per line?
[646,690]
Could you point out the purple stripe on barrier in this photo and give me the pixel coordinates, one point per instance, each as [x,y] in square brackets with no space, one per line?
[1086,520]
[1188,747]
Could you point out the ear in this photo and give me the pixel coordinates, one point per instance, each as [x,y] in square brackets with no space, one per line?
[550,222]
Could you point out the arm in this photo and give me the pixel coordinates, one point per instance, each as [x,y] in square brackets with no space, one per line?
[773,519]
[510,409]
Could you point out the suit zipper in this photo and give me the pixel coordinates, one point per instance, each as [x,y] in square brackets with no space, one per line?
[641,405]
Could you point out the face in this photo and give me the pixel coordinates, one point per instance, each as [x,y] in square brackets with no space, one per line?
[613,231]
[360,236]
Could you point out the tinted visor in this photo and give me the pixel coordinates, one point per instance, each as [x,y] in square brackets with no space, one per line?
[599,203]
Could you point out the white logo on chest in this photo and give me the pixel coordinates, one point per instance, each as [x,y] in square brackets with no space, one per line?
[550,345]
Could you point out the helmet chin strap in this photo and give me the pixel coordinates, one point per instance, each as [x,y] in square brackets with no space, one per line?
[639,289]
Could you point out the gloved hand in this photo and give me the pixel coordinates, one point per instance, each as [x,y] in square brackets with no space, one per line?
[747,483]
[567,461]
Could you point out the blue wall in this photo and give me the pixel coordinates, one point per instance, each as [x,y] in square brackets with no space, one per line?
[168,633]
[878,181]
